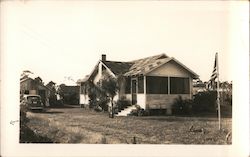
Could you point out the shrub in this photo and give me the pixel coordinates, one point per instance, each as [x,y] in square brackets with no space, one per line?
[138,111]
[182,107]
[205,102]
[122,103]
[23,118]
[92,98]
[103,103]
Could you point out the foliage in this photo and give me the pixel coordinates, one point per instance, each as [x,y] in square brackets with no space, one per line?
[25,74]
[122,103]
[26,134]
[60,90]
[94,93]
[103,103]
[182,107]
[53,95]
[67,97]
[102,93]
[202,103]
[138,111]
[109,86]
[205,102]
[23,119]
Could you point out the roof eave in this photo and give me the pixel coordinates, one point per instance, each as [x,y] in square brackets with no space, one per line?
[194,75]
[112,73]
[185,67]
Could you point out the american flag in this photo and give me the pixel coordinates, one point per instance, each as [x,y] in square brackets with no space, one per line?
[214,75]
[212,85]
[215,71]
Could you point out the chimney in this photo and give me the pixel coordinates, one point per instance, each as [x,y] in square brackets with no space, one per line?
[103,57]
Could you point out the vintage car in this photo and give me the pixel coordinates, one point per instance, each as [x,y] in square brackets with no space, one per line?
[32,102]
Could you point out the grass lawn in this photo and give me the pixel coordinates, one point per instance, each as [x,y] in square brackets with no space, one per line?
[77,125]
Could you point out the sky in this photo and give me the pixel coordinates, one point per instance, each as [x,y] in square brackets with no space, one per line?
[61,39]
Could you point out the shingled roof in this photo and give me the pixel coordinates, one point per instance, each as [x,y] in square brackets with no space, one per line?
[118,67]
[141,66]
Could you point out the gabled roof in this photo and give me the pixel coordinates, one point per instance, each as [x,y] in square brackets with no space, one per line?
[143,66]
[28,78]
[140,66]
[118,67]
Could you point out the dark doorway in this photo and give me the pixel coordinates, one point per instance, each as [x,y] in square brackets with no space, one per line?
[134,92]
[43,95]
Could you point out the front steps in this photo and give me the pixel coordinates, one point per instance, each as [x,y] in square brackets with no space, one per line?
[126,111]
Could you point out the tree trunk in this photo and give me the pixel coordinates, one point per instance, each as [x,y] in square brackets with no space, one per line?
[112,108]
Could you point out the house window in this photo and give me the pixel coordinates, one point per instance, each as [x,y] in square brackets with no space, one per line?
[156,85]
[141,84]
[179,85]
[128,85]
[26,92]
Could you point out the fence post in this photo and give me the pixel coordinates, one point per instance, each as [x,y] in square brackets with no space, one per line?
[134,140]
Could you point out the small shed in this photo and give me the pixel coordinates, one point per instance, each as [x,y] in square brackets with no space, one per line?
[34,86]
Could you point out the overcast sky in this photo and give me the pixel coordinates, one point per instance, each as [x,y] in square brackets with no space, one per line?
[58,39]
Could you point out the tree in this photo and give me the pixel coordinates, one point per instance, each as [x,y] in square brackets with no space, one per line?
[52,97]
[60,90]
[25,74]
[110,86]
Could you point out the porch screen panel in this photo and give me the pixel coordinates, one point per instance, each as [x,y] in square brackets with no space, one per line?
[156,85]
[140,84]
[128,85]
[179,85]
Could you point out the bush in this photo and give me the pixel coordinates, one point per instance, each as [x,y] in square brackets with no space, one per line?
[92,98]
[23,119]
[182,107]
[26,134]
[103,103]
[139,112]
[122,103]
[205,102]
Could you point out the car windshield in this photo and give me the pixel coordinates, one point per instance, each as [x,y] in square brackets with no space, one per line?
[33,98]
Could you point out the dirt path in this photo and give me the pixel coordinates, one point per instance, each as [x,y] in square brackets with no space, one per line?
[77,125]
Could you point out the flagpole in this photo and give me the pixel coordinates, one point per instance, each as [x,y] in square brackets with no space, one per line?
[218,92]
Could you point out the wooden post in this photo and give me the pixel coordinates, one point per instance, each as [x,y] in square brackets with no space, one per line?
[134,140]
[218,92]
[145,92]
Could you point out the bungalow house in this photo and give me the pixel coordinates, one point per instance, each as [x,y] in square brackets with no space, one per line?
[153,83]
[35,86]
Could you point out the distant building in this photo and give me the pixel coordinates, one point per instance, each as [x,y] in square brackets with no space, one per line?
[153,83]
[199,86]
[34,86]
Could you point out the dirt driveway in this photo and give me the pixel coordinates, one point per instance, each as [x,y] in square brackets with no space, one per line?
[78,125]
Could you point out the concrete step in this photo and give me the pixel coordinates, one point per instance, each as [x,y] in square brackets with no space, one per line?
[126,111]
